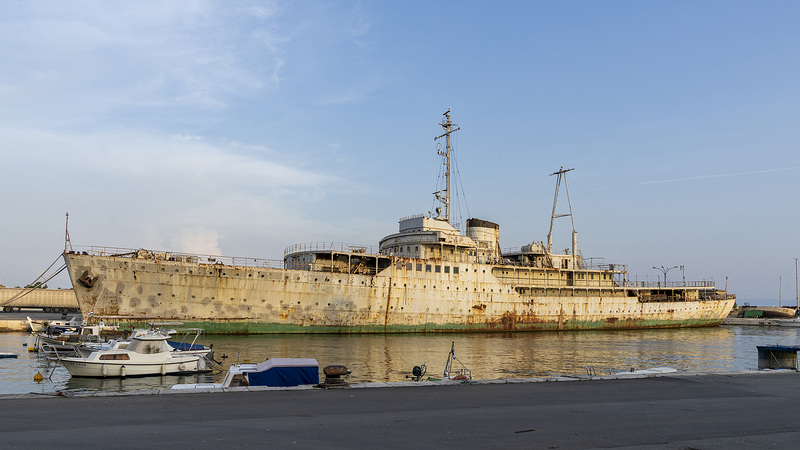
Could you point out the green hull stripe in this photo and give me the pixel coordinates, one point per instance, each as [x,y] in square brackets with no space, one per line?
[211,327]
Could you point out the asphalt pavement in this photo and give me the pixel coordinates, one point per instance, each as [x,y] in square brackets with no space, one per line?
[747,410]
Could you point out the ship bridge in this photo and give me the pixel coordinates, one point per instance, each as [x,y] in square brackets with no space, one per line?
[425,237]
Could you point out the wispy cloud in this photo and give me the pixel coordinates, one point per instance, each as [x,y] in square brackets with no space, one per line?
[722,175]
[115,57]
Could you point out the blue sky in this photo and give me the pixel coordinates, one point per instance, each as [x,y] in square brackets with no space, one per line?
[240,128]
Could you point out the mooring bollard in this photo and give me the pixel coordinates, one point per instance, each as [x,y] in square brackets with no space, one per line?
[333,376]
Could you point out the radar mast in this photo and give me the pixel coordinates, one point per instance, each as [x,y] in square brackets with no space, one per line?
[449,128]
[562,173]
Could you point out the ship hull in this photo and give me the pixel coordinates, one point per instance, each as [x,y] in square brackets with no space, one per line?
[254,300]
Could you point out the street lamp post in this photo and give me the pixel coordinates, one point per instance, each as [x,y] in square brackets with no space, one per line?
[665,270]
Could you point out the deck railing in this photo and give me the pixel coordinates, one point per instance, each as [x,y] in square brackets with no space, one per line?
[669,284]
[141,253]
[329,247]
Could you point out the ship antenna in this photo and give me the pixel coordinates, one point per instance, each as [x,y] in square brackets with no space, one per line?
[448,126]
[562,173]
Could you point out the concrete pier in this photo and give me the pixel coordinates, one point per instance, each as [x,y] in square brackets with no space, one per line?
[753,410]
[762,322]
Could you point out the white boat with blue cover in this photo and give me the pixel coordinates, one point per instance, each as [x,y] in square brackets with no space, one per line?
[274,372]
[147,354]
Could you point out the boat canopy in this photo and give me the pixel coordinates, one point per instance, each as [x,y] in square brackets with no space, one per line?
[149,343]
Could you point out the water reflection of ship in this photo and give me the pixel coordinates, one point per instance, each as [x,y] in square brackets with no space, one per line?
[135,383]
[426,277]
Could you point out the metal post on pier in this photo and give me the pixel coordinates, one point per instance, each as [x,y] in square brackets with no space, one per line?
[796,284]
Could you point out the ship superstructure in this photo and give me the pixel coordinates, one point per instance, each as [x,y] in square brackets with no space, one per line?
[426,277]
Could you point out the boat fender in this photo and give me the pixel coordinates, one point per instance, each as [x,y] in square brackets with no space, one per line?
[46,323]
[122,371]
[163,369]
[182,367]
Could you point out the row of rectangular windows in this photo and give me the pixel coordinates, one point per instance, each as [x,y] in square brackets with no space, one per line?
[428,268]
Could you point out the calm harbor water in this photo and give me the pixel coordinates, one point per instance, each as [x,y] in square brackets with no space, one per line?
[380,358]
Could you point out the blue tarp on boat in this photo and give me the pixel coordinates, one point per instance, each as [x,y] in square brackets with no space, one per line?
[777,356]
[282,372]
[185,346]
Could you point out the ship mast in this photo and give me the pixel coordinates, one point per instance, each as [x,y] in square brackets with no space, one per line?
[448,126]
[562,173]
[67,242]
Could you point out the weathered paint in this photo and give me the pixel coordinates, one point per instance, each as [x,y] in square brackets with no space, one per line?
[212,327]
[238,299]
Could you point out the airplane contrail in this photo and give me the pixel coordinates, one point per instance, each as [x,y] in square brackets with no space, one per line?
[700,177]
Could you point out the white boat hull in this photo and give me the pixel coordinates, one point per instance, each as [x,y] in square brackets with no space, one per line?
[80,367]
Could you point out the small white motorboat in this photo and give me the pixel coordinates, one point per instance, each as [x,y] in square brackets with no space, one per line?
[651,371]
[147,354]
[182,347]
[37,326]
[55,342]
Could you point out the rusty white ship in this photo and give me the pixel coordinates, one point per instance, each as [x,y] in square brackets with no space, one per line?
[427,277]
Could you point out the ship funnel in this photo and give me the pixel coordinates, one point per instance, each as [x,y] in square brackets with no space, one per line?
[486,234]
